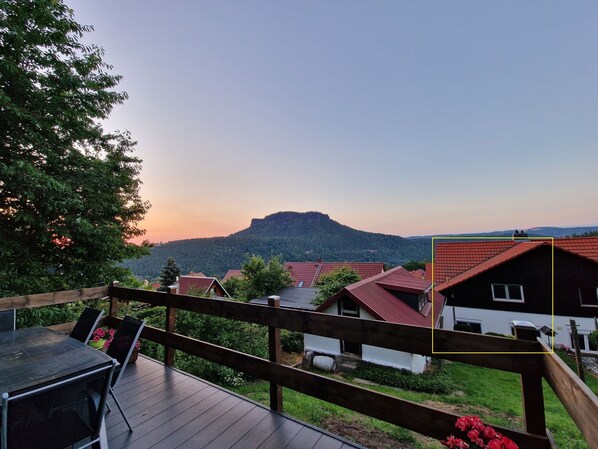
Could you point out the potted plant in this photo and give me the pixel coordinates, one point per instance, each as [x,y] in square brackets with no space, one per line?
[101,339]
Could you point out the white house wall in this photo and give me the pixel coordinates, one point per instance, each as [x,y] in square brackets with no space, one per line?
[374,354]
[500,321]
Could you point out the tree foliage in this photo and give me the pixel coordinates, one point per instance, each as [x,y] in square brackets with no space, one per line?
[413,265]
[262,278]
[330,284]
[69,190]
[170,273]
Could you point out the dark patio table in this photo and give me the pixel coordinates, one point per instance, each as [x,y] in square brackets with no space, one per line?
[34,356]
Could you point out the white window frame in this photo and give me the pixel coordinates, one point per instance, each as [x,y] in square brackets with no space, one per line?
[585,335]
[507,299]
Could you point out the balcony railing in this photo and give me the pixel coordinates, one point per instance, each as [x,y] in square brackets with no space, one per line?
[527,356]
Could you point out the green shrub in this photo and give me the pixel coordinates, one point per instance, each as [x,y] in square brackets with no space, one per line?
[593,337]
[291,341]
[427,382]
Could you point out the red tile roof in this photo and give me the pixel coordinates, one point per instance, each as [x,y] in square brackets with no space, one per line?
[205,283]
[453,258]
[232,274]
[508,254]
[310,272]
[455,262]
[583,246]
[380,296]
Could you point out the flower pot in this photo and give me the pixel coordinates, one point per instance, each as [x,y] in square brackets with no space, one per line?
[134,356]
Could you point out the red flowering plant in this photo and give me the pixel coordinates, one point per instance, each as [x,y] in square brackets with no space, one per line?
[101,339]
[479,436]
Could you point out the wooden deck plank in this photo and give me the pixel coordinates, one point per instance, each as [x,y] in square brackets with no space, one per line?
[327,442]
[263,430]
[200,421]
[159,427]
[217,427]
[157,403]
[305,439]
[239,429]
[170,409]
[282,436]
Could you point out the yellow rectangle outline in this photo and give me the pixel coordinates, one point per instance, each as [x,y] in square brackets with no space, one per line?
[490,238]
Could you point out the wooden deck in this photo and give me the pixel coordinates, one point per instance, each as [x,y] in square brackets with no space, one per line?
[169,409]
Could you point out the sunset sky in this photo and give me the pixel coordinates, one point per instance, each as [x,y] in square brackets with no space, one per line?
[401,117]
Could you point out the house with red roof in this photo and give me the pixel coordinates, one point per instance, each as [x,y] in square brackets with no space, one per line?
[306,274]
[489,284]
[396,296]
[206,286]
[232,274]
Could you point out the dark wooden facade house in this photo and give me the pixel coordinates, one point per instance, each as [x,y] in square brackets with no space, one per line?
[516,283]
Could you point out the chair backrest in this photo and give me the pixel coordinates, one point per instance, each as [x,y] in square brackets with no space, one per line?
[7,320]
[86,324]
[57,414]
[123,343]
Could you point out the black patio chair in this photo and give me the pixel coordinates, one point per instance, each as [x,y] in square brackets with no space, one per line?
[7,320]
[121,348]
[86,324]
[59,414]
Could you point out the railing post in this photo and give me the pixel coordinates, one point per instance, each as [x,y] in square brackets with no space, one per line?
[114,306]
[576,348]
[170,327]
[531,386]
[275,355]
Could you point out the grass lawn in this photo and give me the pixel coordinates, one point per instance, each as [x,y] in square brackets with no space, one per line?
[493,395]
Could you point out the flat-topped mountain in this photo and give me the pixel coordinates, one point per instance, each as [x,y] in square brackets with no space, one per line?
[297,236]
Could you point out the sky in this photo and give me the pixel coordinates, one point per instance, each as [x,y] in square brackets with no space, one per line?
[400,117]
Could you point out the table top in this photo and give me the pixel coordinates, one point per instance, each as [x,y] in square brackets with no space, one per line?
[36,355]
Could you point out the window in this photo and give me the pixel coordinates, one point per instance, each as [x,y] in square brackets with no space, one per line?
[588,296]
[468,326]
[422,300]
[348,308]
[507,292]
[584,342]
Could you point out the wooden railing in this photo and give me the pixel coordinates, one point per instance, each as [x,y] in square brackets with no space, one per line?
[579,401]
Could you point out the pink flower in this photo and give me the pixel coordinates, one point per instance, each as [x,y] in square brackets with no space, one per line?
[96,338]
[111,332]
[489,432]
[480,435]
[508,443]
[473,435]
[495,444]
[453,442]
[100,332]
[462,423]
[107,344]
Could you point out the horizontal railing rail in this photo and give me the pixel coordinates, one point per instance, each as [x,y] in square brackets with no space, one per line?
[400,337]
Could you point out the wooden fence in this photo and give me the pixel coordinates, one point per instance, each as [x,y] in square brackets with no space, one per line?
[526,356]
